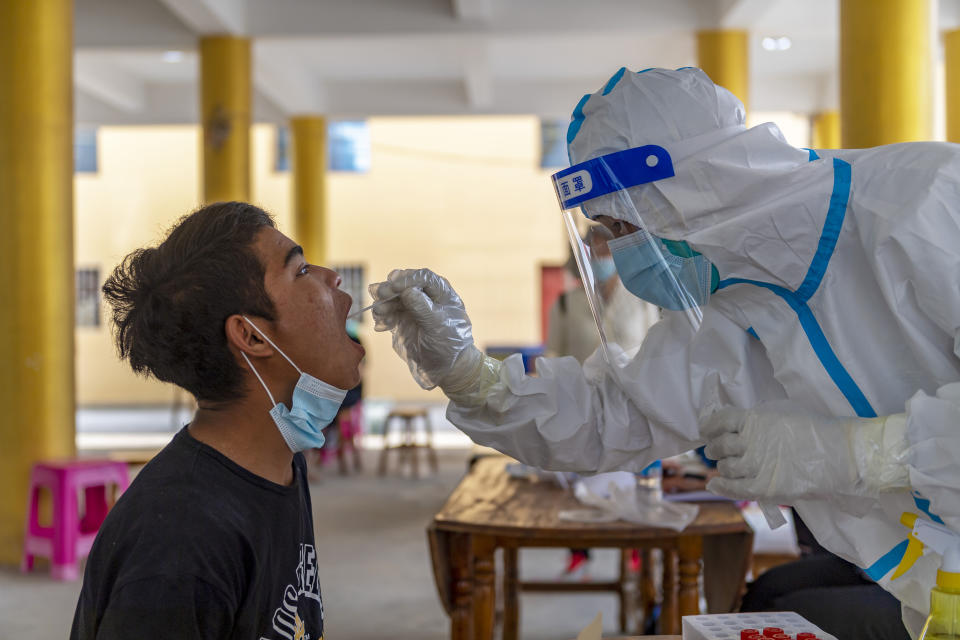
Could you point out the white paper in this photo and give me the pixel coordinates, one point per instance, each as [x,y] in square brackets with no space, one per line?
[593,630]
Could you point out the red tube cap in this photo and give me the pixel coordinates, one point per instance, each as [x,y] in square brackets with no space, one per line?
[769,632]
[747,634]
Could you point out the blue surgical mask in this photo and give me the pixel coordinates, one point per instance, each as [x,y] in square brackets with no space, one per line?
[650,270]
[315,405]
[604,268]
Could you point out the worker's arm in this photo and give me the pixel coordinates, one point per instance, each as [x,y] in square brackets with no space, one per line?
[764,453]
[564,419]
[593,418]
[603,417]
[790,456]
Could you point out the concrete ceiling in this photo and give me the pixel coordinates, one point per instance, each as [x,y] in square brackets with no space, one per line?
[136,60]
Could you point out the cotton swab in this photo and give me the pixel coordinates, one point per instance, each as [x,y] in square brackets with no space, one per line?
[357,313]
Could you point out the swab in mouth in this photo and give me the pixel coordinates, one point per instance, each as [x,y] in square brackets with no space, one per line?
[357,313]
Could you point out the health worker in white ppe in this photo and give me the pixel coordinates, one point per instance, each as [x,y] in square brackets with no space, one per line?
[811,314]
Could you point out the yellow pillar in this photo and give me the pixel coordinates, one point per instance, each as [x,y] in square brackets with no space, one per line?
[225,99]
[885,68]
[724,55]
[825,130]
[951,45]
[36,250]
[309,154]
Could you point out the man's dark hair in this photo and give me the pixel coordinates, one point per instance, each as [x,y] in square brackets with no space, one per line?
[170,302]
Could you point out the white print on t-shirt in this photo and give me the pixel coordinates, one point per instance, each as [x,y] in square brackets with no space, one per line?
[307,574]
[286,619]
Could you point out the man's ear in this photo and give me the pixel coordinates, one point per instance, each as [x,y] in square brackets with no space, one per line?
[243,337]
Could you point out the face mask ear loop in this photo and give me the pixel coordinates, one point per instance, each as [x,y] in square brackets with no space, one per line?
[264,384]
[270,342]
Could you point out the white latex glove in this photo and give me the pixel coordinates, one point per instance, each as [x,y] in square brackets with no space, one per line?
[787,456]
[433,334]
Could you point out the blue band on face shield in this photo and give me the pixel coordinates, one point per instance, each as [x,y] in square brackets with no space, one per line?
[613,172]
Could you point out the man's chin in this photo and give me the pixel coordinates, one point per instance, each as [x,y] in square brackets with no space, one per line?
[358,378]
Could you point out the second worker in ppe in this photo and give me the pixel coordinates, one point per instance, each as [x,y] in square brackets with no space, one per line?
[811,319]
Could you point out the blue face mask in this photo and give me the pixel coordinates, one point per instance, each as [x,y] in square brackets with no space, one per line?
[315,405]
[651,270]
[604,268]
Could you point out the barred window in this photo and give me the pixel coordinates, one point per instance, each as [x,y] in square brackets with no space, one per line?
[85,149]
[348,147]
[88,297]
[281,160]
[353,283]
[553,144]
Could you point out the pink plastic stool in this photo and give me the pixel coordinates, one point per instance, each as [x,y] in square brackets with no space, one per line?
[350,426]
[69,538]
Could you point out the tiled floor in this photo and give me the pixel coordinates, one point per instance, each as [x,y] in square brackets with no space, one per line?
[376,576]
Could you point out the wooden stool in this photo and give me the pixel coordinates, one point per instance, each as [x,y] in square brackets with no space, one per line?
[408,445]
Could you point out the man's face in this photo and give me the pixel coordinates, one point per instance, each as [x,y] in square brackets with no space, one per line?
[311,312]
[598,246]
[618,228]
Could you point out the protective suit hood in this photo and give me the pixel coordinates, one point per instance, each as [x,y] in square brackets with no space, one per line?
[720,169]
[655,106]
[718,163]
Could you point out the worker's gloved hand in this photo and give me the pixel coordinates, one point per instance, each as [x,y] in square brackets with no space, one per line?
[433,334]
[787,456]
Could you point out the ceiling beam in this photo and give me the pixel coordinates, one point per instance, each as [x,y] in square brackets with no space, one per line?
[109,84]
[477,74]
[211,16]
[829,91]
[292,88]
[742,14]
[949,18]
[473,10]
[478,83]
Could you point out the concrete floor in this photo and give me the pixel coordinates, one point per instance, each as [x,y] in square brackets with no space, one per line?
[375,568]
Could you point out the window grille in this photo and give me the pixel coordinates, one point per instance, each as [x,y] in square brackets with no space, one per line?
[88,297]
[348,147]
[354,283]
[553,144]
[85,149]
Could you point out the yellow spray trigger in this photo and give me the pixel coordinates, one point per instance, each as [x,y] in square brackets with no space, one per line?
[914,547]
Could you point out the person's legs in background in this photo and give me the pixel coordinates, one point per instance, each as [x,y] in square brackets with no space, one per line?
[864,612]
[832,594]
[578,565]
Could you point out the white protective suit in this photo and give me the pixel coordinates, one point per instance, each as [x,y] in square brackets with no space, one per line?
[839,294]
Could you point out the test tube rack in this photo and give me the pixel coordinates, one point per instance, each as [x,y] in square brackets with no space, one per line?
[727,626]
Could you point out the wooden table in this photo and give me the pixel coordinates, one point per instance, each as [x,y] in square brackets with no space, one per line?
[490,510]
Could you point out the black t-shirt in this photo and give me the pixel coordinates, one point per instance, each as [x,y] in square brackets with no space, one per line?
[199,547]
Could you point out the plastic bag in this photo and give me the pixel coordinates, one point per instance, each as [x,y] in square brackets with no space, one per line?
[621,499]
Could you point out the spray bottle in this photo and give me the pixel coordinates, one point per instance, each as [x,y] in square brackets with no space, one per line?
[943,623]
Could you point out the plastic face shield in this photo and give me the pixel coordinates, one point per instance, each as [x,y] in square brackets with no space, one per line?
[668,274]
